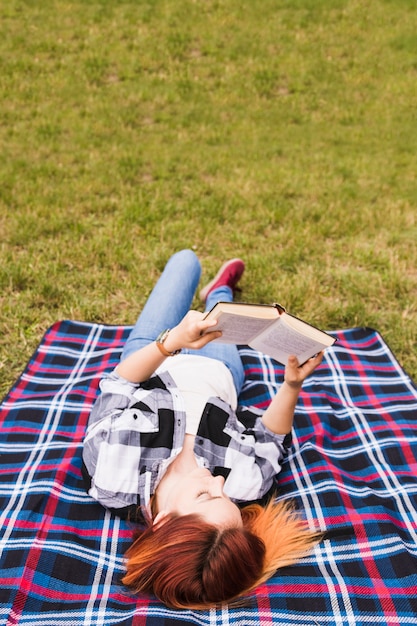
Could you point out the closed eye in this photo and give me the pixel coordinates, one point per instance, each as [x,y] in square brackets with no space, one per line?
[210,497]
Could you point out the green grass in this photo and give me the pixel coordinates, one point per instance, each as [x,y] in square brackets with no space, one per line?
[282,131]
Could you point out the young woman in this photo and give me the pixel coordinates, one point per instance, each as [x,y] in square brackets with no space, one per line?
[168,445]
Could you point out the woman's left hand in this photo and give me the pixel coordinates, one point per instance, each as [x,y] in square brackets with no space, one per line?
[279,416]
[295,374]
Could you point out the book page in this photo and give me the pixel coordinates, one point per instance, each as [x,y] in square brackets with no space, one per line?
[279,341]
[244,309]
[239,329]
[299,325]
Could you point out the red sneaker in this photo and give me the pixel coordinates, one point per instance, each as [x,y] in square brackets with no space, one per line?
[229,274]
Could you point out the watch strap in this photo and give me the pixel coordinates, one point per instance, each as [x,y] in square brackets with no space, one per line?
[160,343]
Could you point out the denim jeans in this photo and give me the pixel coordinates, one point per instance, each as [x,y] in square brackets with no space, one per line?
[170,300]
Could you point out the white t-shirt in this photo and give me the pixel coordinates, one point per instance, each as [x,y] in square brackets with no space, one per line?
[199,378]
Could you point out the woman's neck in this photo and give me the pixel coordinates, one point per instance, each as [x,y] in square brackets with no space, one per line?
[185,460]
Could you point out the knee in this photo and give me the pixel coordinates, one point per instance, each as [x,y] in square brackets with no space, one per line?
[187,258]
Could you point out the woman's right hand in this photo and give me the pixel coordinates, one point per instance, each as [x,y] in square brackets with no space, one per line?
[192,332]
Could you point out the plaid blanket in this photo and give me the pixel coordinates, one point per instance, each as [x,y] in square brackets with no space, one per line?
[352,468]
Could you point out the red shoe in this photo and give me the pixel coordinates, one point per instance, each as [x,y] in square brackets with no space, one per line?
[229,274]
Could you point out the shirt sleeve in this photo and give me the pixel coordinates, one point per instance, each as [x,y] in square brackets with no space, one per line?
[110,460]
[239,447]
[255,456]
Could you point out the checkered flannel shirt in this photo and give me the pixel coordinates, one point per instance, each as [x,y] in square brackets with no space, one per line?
[134,430]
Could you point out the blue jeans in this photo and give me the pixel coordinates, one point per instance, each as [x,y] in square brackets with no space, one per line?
[170,300]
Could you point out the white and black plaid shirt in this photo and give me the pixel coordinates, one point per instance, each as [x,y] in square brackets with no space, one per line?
[134,430]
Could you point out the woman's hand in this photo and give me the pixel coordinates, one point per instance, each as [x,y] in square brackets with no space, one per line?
[279,416]
[296,374]
[192,332]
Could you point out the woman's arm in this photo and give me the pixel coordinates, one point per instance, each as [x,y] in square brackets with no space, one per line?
[279,415]
[140,365]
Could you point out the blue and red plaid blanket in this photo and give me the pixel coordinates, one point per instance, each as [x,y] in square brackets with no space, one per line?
[352,468]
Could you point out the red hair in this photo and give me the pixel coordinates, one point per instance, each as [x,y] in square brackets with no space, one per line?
[189,563]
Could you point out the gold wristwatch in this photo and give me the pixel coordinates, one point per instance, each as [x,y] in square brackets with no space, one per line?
[160,343]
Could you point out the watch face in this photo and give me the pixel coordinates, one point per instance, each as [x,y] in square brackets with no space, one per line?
[162,335]
[160,341]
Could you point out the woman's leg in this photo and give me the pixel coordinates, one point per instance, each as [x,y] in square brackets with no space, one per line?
[227,353]
[169,301]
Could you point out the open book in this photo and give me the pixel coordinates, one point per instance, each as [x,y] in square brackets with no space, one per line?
[268,329]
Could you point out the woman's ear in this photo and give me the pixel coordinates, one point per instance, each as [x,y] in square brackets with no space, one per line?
[160,518]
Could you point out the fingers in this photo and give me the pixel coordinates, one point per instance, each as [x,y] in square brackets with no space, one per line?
[206,338]
[311,363]
[296,374]
[206,324]
[314,362]
[194,331]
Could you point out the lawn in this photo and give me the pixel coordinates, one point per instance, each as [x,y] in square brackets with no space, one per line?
[281,131]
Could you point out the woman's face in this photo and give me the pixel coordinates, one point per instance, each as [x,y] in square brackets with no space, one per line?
[201,493]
